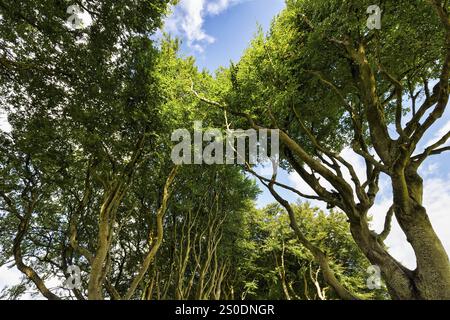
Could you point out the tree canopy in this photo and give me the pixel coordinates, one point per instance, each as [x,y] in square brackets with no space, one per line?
[87,179]
[328,83]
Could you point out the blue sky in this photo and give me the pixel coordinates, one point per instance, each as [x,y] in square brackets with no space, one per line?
[218,31]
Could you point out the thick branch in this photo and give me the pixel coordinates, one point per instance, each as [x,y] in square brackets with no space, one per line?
[387,224]
[27,270]
[159,237]
[319,256]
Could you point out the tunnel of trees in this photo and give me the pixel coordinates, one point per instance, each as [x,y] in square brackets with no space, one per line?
[86,177]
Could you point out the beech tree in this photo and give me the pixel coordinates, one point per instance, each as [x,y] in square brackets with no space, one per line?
[327,83]
[278,266]
[83,105]
[86,177]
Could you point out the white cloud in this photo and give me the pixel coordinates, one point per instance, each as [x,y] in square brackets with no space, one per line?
[216,7]
[9,276]
[4,124]
[439,134]
[189,16]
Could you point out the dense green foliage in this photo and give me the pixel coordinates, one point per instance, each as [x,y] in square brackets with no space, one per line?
[329,84]
[278,266]
[86,177]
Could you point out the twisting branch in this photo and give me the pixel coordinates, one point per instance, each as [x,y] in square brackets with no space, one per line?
[225,107]
[159,238]
[364,77]
[318,254]
[338,182]
[261,178]
[415,96]
[442,88]
[17,252]
[347,106]
[73,233]
[439,151]
[430,101]
[387,225]
[27,270]
[344,189]
[398,93]
[335,158]
[432,150]
[31,197]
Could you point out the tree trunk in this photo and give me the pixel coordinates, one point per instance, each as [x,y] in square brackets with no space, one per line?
[432,276]
[431,279]
[110,204]
[395,275]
